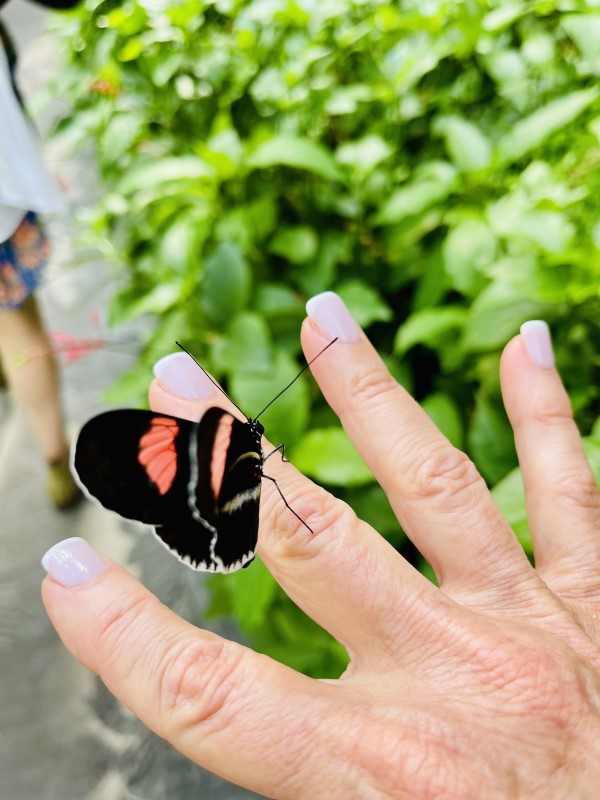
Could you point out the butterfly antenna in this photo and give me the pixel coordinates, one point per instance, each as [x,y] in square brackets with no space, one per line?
[305,367]
[211,379]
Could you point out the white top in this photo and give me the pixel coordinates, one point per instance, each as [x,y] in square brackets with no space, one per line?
[25,183]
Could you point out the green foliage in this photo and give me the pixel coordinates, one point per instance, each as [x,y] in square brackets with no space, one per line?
[435,163]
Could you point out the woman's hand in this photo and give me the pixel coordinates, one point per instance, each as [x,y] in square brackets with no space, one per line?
[488,687]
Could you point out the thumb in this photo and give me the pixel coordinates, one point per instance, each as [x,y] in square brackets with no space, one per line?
[204,694]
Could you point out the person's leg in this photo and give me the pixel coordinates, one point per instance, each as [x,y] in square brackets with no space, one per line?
[32,374]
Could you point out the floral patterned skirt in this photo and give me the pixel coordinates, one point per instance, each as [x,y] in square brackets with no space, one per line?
[22,259]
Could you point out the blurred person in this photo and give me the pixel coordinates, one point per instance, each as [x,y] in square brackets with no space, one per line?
[26,354]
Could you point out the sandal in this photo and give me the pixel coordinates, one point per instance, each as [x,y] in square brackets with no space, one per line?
[60,485]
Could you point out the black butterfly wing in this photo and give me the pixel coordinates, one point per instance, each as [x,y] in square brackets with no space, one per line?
[171,473]
[134,462]
[223,494]
[230,452]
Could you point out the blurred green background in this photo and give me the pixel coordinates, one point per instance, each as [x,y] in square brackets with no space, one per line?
[436,163]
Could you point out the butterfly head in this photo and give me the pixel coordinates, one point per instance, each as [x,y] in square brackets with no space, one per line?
[256,426]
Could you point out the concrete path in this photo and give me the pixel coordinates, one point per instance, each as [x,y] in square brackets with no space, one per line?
[62,735]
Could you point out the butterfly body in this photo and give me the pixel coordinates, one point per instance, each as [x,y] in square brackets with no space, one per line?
[197,483]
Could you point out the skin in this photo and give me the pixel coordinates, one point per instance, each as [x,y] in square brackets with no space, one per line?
[487,687]
[35,383]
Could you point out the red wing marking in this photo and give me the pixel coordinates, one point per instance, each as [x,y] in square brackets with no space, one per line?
[157,452]
[219,453]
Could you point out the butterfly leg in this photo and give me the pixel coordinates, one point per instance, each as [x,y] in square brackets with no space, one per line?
[279,447]
[287,505]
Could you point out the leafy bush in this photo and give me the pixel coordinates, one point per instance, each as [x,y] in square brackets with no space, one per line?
[435,163]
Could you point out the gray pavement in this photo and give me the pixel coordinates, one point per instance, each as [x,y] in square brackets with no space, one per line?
[62,736]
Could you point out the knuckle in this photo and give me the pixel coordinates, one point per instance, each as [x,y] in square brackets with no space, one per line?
[442,473]
[577,487]
[372,389]
[553,413]
[196,683]
[322,513]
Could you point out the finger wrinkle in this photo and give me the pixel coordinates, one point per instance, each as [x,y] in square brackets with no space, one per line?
[545,413]
[578,489]
[328,518]
[371,391]
[123,623]
[198,680]
[442,473]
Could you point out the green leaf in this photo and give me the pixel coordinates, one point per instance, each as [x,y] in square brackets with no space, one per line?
[436,185]
[245,347]
[295,152]
[346,99]
[285,421]
[468,248]
[252,593]
[432,282]
[121,132]
[509,496]
[511,217]
[128,20]
[467,146]
[504,15]
[364,154]
[131,388]
[371,504]
[297,641]
[365,303]
[584,29]
[180,243]
[275,299]
[444,412]
[534,130]
[591,446]
[131,303]
[328,456]
[166,68]
[298,245]
[227,283]
[496,316]
[147,174]
[491,440]
[428,327]
[132,49]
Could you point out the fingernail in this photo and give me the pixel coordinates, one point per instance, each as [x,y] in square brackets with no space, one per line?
[182,377]
[330,314]
[536,335]
[73,562]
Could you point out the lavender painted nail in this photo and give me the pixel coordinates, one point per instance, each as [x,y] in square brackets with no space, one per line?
[538,343]
[73,562]
[183,378]
[330,314]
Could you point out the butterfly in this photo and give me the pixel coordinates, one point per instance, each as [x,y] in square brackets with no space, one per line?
[197,483]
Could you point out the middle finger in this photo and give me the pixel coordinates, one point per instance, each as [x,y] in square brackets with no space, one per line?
[436,492]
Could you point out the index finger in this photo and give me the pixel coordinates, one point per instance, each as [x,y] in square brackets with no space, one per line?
[344,575]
